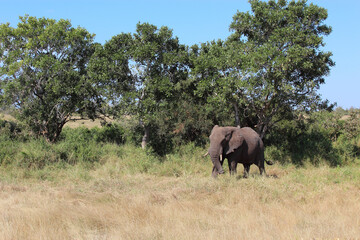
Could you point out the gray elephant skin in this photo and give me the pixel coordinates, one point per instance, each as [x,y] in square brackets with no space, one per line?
[238,145]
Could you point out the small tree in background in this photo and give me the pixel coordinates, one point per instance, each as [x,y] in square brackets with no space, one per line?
[43,73]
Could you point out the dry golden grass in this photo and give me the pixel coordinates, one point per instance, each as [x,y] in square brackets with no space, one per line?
[88,123]
[314,203]
[83,123]
[7,117]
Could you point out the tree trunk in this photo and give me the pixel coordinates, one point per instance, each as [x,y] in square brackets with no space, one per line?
[145,138]
[262,128]
[237,118]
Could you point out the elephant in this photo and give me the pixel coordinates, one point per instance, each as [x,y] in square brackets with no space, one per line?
[238,145]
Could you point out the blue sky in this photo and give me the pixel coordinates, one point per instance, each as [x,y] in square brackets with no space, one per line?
[197,21]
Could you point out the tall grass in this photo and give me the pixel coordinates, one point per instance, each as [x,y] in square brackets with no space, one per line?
[93,148]
[300,203]
[88,186]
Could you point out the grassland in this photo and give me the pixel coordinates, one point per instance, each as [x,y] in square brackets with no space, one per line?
[106,203]
[129,194]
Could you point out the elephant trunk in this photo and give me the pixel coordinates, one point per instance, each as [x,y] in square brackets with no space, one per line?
[216,158]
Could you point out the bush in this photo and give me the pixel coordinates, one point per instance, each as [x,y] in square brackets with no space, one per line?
[348,148]
[79,145]
[111,133]
[318,137]
[276,154]
[11,137]
[8,149]
[36,154]
[159,143]
[12,130]
[301,140]
[188,123]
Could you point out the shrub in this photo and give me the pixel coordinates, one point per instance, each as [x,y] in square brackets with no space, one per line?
[348,148]
[303,140]
[12,130]
[8,149]
[111,133]
[78,145]
[276,154]
[35,154]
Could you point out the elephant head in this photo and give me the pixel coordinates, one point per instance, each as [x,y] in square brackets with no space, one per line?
[223,141]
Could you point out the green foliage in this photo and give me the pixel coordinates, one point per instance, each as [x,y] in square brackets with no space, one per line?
[278,153]
[83,148]
[11,130]
[262,76]
[80,145]
[316,138]
[8,149]
[35,154]
[110,69]
[87,145]
[271,65]
[301,141]
[192,124]
[111,133]
[185,123]
[43,73]
[159,67]
[348,148]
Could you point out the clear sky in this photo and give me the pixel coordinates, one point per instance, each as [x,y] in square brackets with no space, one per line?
[197,21]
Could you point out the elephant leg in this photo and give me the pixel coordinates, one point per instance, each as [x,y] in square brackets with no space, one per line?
[246,170]
[261,166]
[262,170]
[232,166]
[261,162]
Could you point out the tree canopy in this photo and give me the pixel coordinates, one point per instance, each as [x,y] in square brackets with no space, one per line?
[44,75]
[271,66]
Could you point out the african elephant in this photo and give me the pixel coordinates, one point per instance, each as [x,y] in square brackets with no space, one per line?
[238,145]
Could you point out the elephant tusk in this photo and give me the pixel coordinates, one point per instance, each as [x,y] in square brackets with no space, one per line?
[221,157]
[207,153]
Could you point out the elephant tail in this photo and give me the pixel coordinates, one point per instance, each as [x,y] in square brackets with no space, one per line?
[269,162]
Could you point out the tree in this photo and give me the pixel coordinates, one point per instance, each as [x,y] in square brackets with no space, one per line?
[43,73]
[110,67]
[156,66]
[209,70]
[159,69]
[273,63]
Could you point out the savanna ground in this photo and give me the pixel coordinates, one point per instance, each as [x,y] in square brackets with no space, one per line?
[304,203]
[129,194]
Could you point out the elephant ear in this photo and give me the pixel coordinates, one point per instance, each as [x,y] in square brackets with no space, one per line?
[235,142]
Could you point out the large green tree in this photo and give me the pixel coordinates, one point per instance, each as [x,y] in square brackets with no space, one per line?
[272,64]
[110,67]
[43,73]
[154,62]
[208,80]
[159,69]
[284,62]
